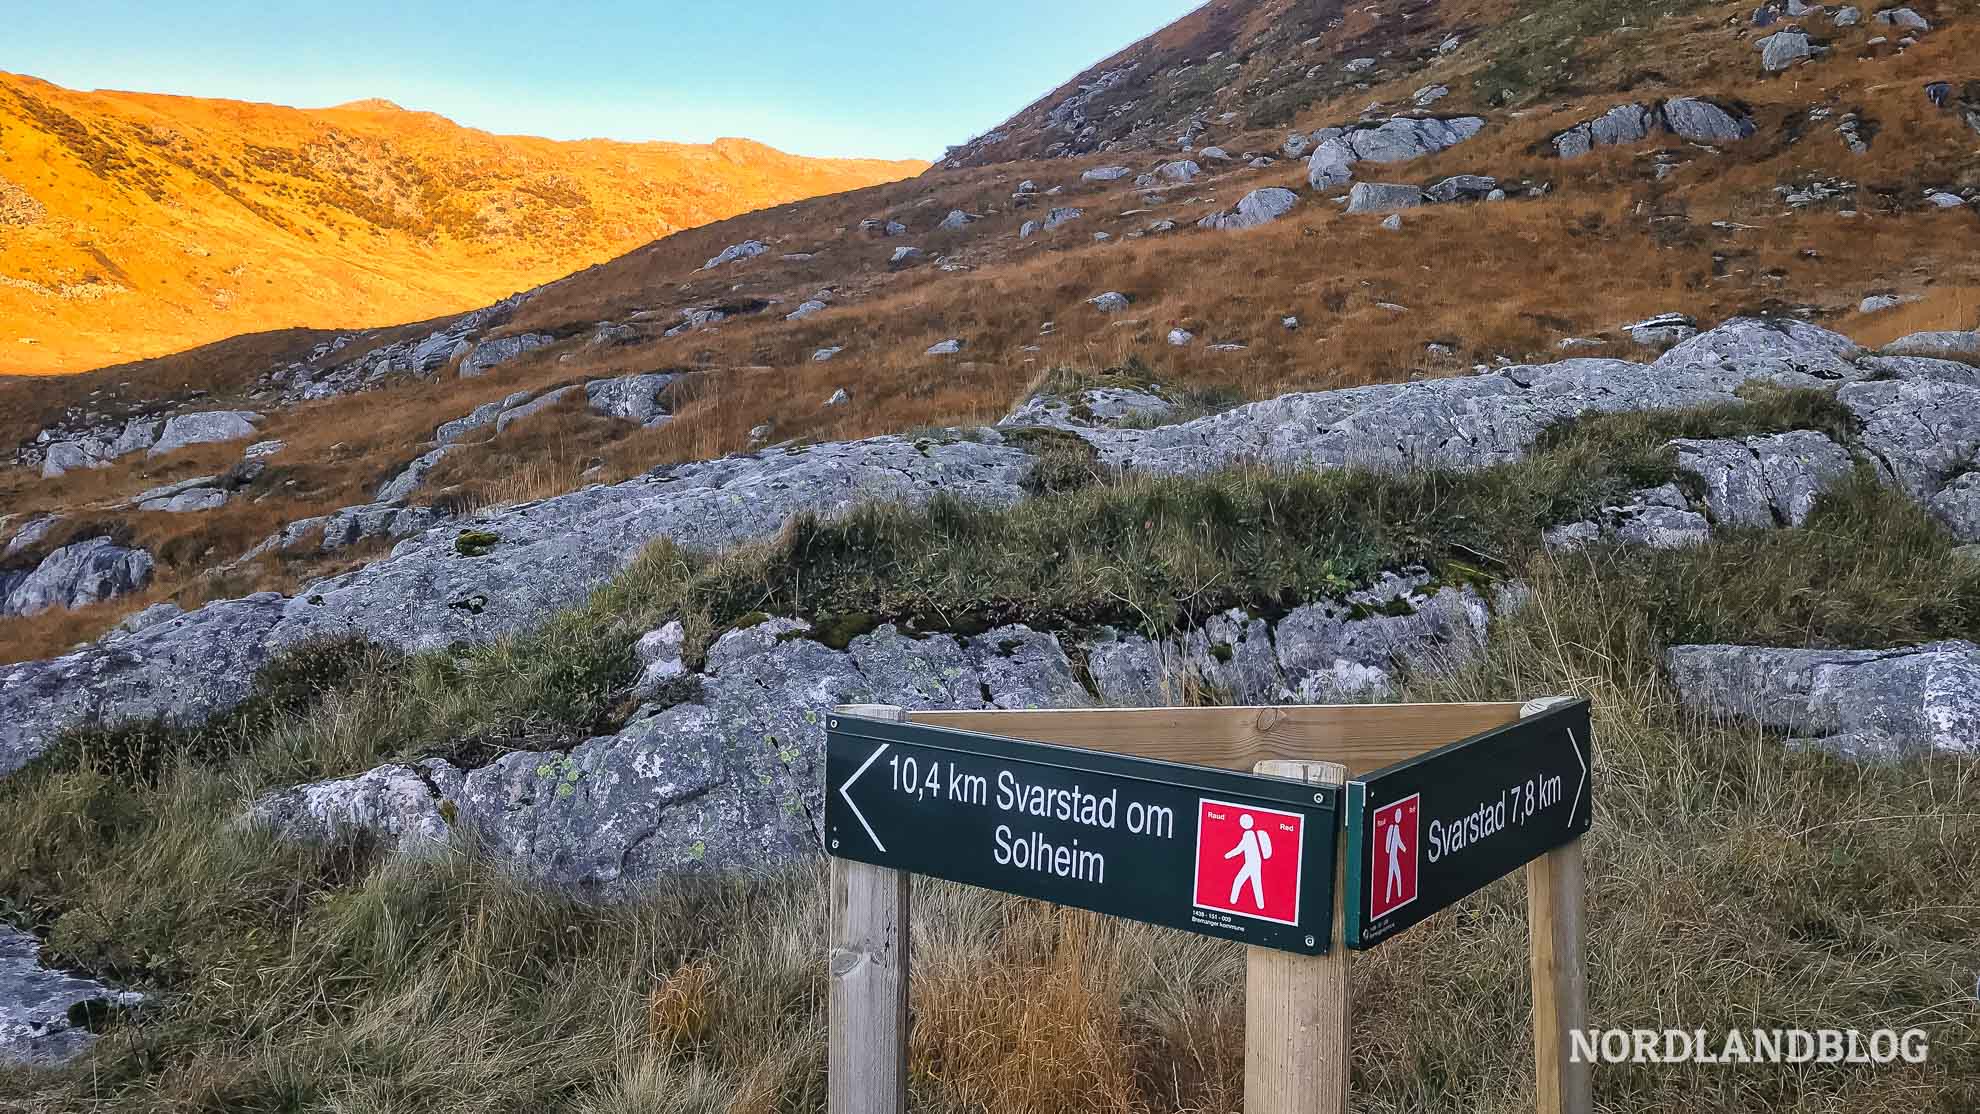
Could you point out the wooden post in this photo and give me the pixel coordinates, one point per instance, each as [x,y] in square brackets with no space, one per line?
[867,1060]
[1555,893]
[1296,1050]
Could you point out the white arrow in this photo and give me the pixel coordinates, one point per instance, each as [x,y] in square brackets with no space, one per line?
[844,791]
[1577,789]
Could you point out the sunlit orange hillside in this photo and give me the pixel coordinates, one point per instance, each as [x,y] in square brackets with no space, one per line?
[133,225]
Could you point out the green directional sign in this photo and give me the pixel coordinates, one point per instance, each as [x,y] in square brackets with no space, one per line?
[1235,856]
[1428,832]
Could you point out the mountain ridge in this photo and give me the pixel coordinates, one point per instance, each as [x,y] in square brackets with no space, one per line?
[135,225]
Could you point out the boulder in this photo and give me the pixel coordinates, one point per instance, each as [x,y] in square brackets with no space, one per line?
[1296,145]
[806,309]
[824,355]
[1380,197]
[632,398]
[76,575]
[956,221]
[1113,301]
[1871,704]
[182,430]
[1105,174]
[1332,164]
[1770,480]
[1058,217]
[1663,330]
[30,533]
[490,354]
[530,409]
[945,348]
[1784,48]
[1704,121]
[412,476]
[41,1009]
[1181,338]
[1904,19]
[1179,170]
[1939,345]
[1786,344]
[1256,208]
[1470,187]
[904,254]
[839,398]
[1846,16]
[748,249]
[1092,408]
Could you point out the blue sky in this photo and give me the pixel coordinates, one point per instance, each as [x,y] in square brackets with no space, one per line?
[888,78]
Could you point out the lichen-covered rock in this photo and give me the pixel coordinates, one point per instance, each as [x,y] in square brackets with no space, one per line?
[1958,506]
[632,398]
[491,354]
[1097,406]
[1936,345]
[1477,420]
[1704,121]
[413,475]
[78,574]
[729,780]
[181,430]
[748,249]
[1786,345]
[1255,208]
[1860,703]
[1105,174]
[530,409]
[1784,48]
[1918,433]
[1663,330]
[1764,481]
[547,556]
[1383,197]
[37,1005]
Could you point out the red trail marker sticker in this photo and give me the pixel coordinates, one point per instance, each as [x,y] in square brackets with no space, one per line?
[1396,849]
[1248,861]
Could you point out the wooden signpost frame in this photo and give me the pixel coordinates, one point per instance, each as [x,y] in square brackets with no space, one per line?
[1298,1053]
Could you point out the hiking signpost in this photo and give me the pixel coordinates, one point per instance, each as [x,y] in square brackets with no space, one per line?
[1305,833]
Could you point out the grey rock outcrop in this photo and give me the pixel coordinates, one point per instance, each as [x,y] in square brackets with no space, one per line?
[1482,419]
[1383,197]
[1920,434]
[530,409]
[732,777]
[1397,139]
[945,347]
[748,249]
[1859,703]
[1062,216]
[413,476]
[182,430]
[1105,174]
[1113,301]
[1461,187]
[1694,118]
[76,575]
[1654,518]
[806,309]
[1764,481]
[1938,345]
[632,398]
[491,354]
[346,527]
[1257,207]
[546,556]
[1663,330]
[37,1004]
[1784,48]
[1958,506]
[98,448]
[1179,170]
[1094,407]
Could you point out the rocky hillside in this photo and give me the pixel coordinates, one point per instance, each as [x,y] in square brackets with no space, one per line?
[134,225]
[443,698]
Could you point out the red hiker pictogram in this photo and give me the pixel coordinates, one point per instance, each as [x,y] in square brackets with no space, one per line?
[1392,876]
[1248,861]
